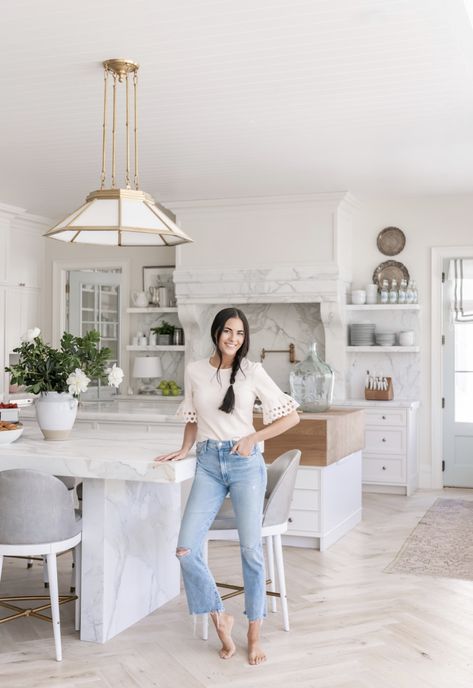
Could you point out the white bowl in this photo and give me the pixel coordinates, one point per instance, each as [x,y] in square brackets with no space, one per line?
[9,436]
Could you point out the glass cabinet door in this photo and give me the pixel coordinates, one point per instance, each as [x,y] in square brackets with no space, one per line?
[94,304]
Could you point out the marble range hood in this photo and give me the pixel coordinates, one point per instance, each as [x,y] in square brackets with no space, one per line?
[202,290]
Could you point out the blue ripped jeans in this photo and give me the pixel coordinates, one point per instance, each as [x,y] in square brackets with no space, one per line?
[244,477]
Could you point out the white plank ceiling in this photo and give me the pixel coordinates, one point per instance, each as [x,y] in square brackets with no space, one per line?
[240,97]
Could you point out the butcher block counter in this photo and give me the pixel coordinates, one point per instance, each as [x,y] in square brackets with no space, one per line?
[323,438]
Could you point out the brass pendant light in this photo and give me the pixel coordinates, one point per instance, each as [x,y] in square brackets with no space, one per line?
[119,216]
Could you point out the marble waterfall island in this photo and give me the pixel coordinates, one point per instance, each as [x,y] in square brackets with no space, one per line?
[131,517]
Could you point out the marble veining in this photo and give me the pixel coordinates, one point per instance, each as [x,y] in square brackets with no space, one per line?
[131,517]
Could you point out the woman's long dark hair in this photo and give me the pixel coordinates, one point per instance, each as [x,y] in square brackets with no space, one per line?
[218,325]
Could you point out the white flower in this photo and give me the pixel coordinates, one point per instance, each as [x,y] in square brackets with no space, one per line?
[115,376]
[77,381]
[31,334]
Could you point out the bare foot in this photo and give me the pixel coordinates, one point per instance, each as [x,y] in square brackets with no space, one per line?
[256,654]
[223,625]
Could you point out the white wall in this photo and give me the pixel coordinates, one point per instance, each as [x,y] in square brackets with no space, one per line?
[426,222]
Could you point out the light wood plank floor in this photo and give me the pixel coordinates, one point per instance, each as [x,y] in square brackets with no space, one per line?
[353,626]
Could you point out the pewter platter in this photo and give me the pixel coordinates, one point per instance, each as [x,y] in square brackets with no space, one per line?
[389,270]
[391,241]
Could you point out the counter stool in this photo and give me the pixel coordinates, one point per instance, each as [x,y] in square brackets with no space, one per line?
[37,517]
[279,491]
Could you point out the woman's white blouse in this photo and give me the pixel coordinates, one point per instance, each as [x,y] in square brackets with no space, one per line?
[205,388]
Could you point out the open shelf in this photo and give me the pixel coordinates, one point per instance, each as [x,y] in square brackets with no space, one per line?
[383,349]
[152,309]
[383,307]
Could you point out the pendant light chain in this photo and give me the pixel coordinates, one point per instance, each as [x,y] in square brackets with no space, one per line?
[114,125]
[135,122]
[104,129]
[127,128]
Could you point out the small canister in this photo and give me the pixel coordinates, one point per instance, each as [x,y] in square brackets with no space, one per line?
[163,297]
[178,336]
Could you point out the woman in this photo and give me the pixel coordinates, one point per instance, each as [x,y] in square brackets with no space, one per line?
[218,407]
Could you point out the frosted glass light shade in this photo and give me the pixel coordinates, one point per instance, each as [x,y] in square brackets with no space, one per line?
[147,366]
[119,217]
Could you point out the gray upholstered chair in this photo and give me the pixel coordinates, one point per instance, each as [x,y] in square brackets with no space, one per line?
[279,491]
[37,517]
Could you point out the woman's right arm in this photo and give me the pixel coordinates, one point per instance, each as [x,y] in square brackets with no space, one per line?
[190,433]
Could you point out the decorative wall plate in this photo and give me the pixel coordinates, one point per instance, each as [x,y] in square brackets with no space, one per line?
[391,241]
[390,270]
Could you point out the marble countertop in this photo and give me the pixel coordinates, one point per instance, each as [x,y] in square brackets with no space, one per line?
[98,454]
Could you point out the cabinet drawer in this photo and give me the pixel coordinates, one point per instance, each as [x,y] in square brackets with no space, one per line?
[385,470]
[385,418]
[308,521]
[385,440]
[306,499]
[308,479]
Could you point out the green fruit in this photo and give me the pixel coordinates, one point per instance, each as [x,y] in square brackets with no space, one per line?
[176,391]
[166,392]
[163,384]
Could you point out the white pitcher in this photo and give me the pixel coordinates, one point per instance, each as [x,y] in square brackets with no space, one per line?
[139,298]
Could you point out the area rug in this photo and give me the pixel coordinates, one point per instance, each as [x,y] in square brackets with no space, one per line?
[441,544]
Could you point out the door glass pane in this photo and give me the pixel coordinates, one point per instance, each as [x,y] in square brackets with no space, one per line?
[94,304]
[464,373]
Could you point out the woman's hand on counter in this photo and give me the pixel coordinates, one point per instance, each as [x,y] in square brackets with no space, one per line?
[173,456]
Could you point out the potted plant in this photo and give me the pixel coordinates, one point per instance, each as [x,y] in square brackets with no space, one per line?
[164,331]
[60,375]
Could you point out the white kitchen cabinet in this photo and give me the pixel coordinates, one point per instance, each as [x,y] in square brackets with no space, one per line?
[22,311]
[4,239]
[26,258]
[326,503]
[390,452]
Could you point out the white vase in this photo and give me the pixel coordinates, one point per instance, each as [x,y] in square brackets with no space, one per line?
[56,413]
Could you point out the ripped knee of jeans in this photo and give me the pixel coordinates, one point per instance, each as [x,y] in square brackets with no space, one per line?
[182,552]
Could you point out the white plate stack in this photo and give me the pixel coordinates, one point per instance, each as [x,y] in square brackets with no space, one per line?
[362,334]
[385,338]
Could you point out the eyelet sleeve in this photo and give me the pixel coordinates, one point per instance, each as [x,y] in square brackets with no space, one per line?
[276,403]
[186,410]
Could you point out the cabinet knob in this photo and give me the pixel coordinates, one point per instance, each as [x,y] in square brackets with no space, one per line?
[383,440]
[22,284]
[289,520]
[383,417]
[384,468]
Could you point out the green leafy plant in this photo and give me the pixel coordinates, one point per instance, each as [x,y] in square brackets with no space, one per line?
[41,368]
[163,328]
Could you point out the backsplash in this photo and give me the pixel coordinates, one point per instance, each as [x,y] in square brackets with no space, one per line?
[272,326]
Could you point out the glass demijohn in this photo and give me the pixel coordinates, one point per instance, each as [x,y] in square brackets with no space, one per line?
[312,383]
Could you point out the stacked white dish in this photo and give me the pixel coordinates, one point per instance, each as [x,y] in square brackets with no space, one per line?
[362,334]
[386,338]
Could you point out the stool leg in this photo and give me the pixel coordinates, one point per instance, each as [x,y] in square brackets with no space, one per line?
[45,574]
[205,617]
[77,574]
[270,554]
[54,595]
[281,580]
[1,565]
[73,574]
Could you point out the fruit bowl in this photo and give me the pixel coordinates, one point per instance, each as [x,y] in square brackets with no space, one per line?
[8,436]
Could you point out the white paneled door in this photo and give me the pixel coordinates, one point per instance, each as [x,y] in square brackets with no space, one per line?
[457,386]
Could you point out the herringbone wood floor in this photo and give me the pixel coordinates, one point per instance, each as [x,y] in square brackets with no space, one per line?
[353,626]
